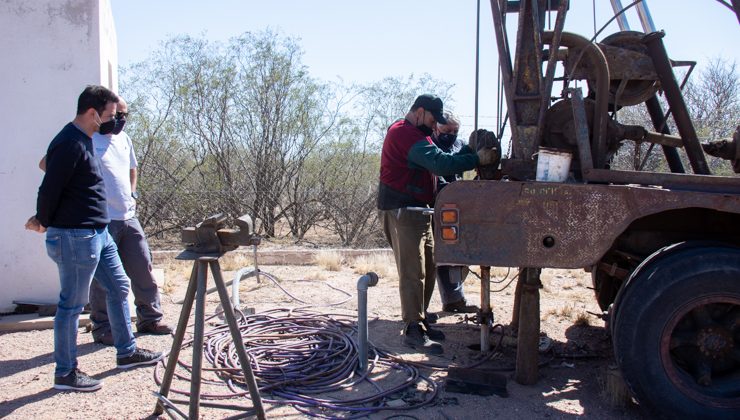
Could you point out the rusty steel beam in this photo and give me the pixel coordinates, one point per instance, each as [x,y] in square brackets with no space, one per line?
[504,59]
[580,123]
[550,70]
[561,225]
[707,183]
[659,122]
[527,78]
[656,49]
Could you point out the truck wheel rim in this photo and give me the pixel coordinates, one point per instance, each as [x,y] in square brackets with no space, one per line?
[700,350]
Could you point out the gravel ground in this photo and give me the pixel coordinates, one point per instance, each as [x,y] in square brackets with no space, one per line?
[573,373]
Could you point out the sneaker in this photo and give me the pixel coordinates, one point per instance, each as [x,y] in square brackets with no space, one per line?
[416,338]
[105,338]
[77,381]
[460,307]
[155,328]
[139,357]
[431,317]
[433,333]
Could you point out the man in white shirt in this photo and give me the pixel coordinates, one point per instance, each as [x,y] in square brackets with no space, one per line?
[118,164]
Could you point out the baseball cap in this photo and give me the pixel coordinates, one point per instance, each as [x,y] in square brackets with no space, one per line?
[431,103]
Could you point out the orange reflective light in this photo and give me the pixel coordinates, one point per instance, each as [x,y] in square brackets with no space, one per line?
[449,216]
[449,233]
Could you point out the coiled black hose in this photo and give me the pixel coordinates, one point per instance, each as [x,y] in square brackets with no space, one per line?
[297,355]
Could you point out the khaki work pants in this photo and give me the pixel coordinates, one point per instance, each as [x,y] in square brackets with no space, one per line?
[410,236]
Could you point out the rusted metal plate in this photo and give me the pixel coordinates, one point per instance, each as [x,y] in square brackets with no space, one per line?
[539,224]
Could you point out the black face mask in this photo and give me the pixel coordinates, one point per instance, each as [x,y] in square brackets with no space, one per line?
[107,127]
[445,140]
[424,129]
[120,122]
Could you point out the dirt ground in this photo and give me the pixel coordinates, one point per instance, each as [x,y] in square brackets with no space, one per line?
[573,376]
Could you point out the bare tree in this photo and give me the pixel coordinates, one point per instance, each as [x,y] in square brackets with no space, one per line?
[241,127]
[713,100]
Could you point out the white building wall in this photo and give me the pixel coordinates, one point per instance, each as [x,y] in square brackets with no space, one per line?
[51,50]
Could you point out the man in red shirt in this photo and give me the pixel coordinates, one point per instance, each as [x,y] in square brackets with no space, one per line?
[408,165]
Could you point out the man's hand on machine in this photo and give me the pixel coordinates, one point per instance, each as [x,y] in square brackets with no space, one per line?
[487,156]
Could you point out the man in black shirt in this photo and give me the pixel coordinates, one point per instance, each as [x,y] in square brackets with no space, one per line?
[71,209]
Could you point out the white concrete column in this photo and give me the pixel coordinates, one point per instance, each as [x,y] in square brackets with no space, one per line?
[51,50]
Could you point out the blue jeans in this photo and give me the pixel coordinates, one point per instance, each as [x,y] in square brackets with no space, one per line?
[450,284]
[80,254]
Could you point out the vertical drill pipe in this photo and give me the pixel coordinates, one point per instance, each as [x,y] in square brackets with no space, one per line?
[368,280]
[646,20]
[622,19]
[485,308]
[237,338]
[477,64]
[517,303]
[198,336]
[657,52]
[658,119]
[182,324]
[527,349]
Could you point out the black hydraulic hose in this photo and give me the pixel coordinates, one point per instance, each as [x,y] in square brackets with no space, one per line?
[296,355]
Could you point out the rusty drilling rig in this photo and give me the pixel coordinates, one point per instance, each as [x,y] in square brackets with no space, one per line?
[663,249]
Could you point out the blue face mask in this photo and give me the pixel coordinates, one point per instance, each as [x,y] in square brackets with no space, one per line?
[445,140]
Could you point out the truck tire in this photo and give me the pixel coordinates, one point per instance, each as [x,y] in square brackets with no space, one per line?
[676,332]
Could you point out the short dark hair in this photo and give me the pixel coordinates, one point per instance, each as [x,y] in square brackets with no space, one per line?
[96,97]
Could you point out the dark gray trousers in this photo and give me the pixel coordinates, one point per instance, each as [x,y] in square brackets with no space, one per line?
[137,262]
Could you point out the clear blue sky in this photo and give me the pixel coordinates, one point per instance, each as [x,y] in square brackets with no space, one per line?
[365,41]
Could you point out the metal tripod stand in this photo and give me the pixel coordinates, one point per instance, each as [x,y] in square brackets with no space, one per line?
[205,244]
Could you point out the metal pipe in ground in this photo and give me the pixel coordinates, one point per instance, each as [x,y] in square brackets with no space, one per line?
[485,308]
[368,280]
[527,348]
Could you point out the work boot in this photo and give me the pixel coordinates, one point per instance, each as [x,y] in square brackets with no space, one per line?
[460,307]
[104,338]
[433,333]
[155,328]
[77,381]
[416,338]
[431,317]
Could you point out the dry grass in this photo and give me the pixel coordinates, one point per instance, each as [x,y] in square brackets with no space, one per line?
[569,312]
[316,274]
[236,260]
[582,319]
[565,311]
[381,264]
[329,260]
[175,272]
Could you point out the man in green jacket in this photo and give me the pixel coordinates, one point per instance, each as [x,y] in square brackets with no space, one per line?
[409,164]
